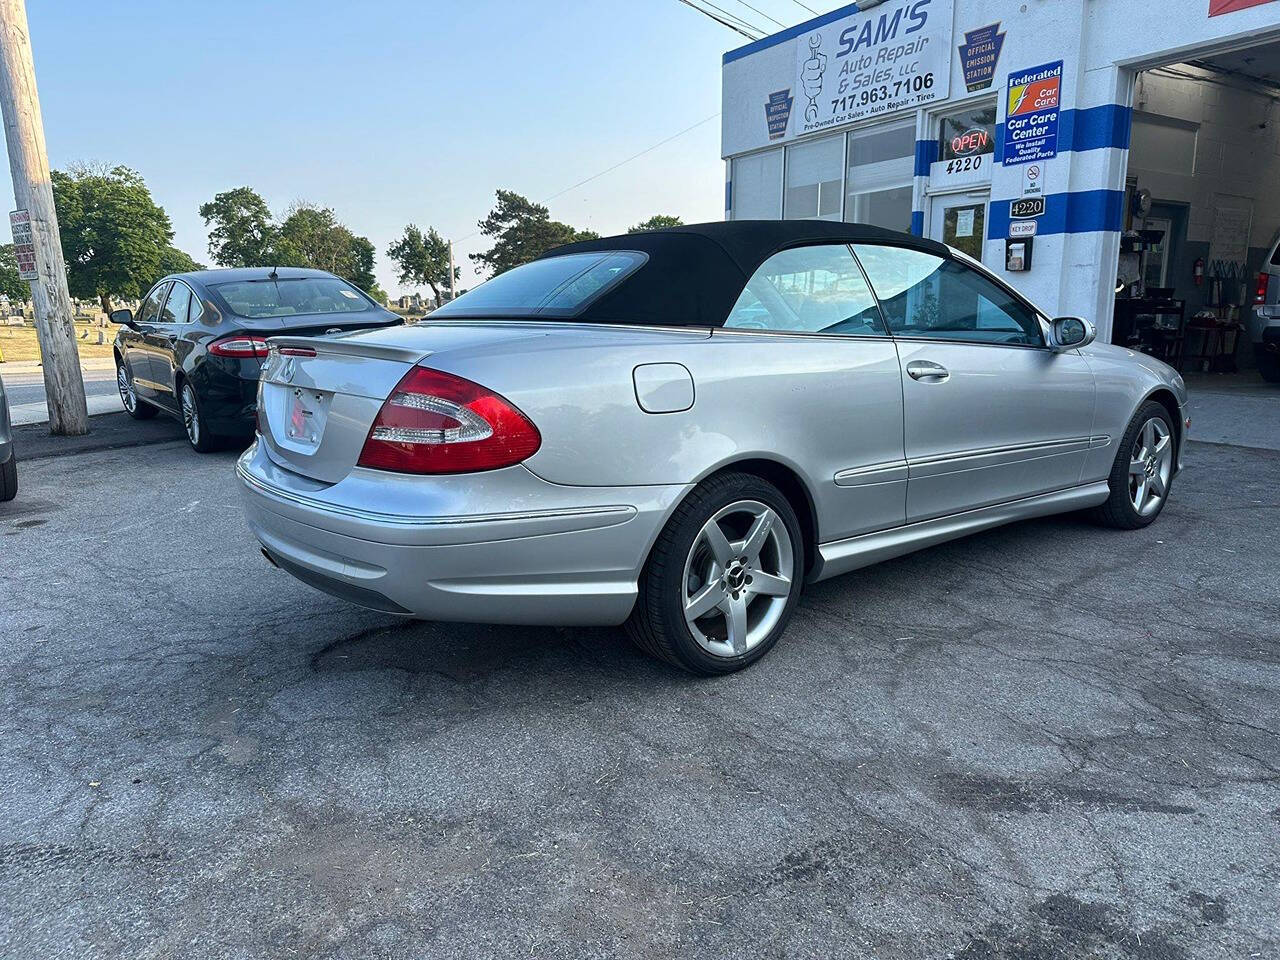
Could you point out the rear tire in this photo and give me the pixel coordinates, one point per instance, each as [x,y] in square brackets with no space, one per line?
[198,433]
[133,406]
[9,478]
[723,578]
[1142,475]
[1268,364]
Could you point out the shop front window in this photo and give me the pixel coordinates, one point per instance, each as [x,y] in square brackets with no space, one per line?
[813,180]
[967,140]
[878,179]
[756,185]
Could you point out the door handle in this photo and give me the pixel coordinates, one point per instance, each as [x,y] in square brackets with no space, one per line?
[926,371]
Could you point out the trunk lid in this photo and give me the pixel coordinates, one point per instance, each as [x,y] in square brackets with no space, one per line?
[318,396]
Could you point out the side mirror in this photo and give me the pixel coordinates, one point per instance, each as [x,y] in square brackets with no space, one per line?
[124,317]
[1071,333]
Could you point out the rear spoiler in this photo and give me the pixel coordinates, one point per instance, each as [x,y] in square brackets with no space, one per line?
[340,346]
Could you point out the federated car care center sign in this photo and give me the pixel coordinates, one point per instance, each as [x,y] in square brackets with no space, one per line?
[1032,115]
[895,56]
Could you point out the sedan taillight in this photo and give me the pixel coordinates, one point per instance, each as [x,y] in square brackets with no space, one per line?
[436,422]
[242,347]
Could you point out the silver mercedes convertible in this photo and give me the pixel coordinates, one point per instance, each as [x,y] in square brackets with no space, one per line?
[677,430]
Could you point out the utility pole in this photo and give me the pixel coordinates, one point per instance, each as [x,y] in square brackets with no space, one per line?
[33,191]
[451,293]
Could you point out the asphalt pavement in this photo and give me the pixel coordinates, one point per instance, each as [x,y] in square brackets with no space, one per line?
[1046,741]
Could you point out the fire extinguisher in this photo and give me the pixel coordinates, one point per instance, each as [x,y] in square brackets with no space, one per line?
[1197,272]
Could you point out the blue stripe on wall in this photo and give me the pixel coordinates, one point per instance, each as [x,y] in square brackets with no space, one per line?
[790,33]
[926,156]
[917,223]
[1090,211]
[1097,128]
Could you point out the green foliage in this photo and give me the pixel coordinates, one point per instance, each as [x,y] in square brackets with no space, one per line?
[312,237]
[174,260]
[241,231]
[115,238]
[423,259]
[522,231]
[11,285]
[658,221]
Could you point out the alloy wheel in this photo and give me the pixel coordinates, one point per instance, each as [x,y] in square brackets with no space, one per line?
[190,414]
[1150,467]
[737,578]
[125,384]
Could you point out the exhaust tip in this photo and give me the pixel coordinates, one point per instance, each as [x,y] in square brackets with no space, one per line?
[270,559]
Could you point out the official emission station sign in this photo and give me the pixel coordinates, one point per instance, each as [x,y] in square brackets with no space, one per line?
[24,250]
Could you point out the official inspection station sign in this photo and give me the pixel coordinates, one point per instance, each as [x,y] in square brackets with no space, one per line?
[24,250]
[1031,120]
[894,56]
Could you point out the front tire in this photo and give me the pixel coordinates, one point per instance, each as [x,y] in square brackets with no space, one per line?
[1142,475]
[198,435]
[723,578]
[134,407]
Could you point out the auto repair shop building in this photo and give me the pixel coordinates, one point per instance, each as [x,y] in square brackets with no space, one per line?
[1074,146]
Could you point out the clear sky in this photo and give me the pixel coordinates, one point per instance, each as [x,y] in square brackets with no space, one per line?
[394,112]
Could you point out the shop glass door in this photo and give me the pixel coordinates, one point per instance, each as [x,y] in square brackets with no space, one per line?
[960,221]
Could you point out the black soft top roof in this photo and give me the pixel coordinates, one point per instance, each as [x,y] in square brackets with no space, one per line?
[695,273]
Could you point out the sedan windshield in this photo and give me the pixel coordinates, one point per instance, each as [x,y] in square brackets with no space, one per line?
[554,287]
[289,296]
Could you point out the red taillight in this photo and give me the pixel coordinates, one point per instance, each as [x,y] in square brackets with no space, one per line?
[1260,296]
[297,351]
[434,422]
[241,347]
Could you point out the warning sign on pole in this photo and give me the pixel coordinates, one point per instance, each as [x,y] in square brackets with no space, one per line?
[24,250]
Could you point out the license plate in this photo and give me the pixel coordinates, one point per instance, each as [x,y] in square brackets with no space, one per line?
[308,411]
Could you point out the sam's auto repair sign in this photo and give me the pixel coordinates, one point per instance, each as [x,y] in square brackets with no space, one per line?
[894,56]
[1031,119]
[1218,7]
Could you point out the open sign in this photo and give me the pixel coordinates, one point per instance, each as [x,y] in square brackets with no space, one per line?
[970,142]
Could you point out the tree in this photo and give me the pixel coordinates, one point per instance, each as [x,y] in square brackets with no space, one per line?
[242,232]
[423,260]
[311,236]
[522,231]
[658,221]
[115,238]
[174,260]
[12,286]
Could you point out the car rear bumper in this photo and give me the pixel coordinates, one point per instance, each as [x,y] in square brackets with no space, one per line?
[520,551]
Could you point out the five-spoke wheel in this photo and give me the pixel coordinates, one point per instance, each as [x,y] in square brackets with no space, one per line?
[723,578]
[1143,470]
[737,578]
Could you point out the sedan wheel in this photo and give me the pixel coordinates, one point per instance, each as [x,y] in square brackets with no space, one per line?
[723,577]
[1150,467]
[198,434]
[1142,472]
[129,396]
[737,578]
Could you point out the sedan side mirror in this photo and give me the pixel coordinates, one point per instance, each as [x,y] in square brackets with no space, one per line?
[1071,333]
[124,317]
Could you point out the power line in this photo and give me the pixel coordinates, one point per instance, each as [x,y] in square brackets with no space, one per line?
[763,14]
[720,20]
[743,21]
[621,163]
[637,156]
[805,7]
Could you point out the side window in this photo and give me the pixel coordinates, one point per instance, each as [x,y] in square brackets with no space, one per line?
[936,299]
[175,308]
[808,290]
[197,309]
[150,309]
